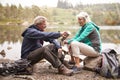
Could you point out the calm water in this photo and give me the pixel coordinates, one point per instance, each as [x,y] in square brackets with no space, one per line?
[11,38]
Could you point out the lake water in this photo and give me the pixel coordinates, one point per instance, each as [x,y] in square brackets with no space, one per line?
[11,38]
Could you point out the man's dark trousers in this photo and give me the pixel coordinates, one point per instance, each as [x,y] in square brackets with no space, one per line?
[48,52]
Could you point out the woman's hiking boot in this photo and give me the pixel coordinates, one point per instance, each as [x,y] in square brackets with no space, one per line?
[76,69]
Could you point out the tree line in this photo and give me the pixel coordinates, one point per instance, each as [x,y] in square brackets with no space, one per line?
[106,14]
[64,4]
[102,14]
[19,13]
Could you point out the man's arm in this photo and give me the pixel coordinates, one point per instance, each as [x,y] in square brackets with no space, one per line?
[35,34]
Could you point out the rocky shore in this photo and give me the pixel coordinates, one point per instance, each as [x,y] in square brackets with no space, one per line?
[44,71]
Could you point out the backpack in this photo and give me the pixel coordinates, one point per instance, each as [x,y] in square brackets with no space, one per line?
[21,66]
[110,67]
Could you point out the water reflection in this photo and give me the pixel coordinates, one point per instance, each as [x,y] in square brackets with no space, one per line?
[110,36]
[12,50]
[11,39]
[13,33]
[10,33]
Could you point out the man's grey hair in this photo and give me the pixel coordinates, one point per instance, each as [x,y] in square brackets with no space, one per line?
[84,15]
[39,20]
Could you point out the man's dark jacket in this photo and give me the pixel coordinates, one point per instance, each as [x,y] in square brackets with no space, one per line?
[33,39]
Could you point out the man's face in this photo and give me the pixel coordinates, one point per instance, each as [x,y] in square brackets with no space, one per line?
[81,21]
[43,25]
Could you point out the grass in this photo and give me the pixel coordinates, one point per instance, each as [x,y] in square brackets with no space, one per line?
[63,16]
[10,21]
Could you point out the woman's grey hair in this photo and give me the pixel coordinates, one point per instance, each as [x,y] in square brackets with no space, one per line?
[39,20]
[84,15]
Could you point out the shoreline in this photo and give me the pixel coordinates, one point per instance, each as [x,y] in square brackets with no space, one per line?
[42,71]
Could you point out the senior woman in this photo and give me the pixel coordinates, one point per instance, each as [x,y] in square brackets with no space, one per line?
[87,40]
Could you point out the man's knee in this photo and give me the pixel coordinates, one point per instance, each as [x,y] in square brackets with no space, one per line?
[50,46]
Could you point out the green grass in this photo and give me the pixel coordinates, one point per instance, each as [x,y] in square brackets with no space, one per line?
[64,16]
[10,21]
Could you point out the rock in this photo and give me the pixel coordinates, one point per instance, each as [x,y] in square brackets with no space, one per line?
[9,47]
[24,77]
[3,53]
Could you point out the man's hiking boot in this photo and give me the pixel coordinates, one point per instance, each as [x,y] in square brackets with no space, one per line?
[66,63]
[65,71]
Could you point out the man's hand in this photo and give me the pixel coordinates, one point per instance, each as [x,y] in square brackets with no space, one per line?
[64,34]
[65,42]
[60,50]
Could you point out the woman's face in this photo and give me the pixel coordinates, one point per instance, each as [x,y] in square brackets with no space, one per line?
[81,21]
